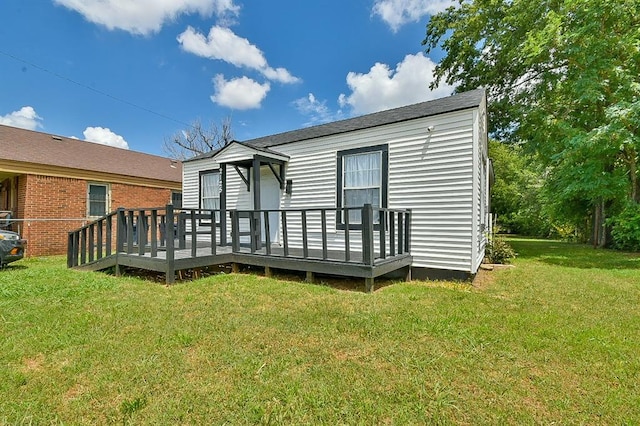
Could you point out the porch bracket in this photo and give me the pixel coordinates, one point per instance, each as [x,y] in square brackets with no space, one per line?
[244,178]
[279,175]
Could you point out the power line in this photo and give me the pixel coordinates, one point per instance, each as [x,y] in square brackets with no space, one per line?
[93,89]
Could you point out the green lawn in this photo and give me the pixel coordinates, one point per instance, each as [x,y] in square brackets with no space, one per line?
[554,340]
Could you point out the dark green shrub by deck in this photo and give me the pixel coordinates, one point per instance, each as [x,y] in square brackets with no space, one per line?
[498,251]
[625,228]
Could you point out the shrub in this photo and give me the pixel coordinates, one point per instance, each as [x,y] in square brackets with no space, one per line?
[626,228]
[498,251]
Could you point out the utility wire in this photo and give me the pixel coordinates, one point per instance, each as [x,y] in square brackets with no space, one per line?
[93,89]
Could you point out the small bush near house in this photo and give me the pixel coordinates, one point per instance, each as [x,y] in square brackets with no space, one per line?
[498,251]
[626,228]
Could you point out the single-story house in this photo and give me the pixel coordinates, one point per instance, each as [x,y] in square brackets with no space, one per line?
[51,184]
[431,157]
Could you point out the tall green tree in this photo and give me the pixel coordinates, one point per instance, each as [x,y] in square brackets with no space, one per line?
[516,197]
[563,79]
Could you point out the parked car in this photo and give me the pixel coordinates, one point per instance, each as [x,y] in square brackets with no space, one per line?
[11,247]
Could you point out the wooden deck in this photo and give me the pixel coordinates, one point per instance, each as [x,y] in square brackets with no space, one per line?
[137,238]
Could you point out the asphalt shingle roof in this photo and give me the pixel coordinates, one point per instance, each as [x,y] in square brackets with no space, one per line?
[451,103]
[33,147]
[424,109]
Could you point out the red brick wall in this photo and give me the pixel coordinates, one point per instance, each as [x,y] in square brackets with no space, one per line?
[46,197]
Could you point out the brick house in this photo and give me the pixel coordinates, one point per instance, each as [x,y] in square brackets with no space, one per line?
[52,184]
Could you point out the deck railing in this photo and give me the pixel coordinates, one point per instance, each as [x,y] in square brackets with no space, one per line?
[383,232]
[304,233]
[144,231]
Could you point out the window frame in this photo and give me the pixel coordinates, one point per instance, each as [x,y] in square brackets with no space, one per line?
[107,198]
[384,181]
[201,175]
[174,196]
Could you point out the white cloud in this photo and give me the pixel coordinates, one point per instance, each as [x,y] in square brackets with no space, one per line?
[104,136]
[225,45]
[25,118]
[316,110]
[383,88]
[396,13]
[239,93]
[146,16]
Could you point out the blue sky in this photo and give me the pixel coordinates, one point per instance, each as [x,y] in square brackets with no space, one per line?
[131,73]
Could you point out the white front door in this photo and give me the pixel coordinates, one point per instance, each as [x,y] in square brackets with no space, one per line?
[270,194]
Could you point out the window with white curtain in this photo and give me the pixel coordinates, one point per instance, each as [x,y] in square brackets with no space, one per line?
[210,190]
[362,179]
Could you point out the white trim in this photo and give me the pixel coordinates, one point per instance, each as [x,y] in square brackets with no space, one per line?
[107,204]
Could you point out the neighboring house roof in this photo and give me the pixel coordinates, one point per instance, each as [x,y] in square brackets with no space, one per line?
[457,102]
[20,146]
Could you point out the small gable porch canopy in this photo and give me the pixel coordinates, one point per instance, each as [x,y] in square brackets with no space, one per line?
[246,161]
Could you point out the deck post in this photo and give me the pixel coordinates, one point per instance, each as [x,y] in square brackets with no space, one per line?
[369,285]
[99,238]
[383,237]
[182,230]
[310,278]
[235,231]
[368,255]
[154,232]
[305,242]
[323,222]
[142,232]
[257,244]
[347,242]
[83,246]
[235,268]
[70,249]
[130,239]
[170,274]
[120,233]
[223,206]
[401,230]
[285,233]
[407,231]
[109,235]
[92,236]
[194,232]
[268,272]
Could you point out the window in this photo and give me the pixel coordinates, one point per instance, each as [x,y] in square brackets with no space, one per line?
[176,199]
[210,190]
[362,179]
[98,200]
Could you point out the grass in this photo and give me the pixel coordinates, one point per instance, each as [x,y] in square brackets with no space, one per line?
[554,340]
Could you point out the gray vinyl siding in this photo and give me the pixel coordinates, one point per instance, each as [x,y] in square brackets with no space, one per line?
[480,185]
[191,181]
[430,173]
[437,174]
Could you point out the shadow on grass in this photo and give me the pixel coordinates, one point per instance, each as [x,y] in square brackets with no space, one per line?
[573,255]
[13,267]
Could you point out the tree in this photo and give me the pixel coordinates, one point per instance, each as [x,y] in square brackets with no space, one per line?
[516,198]
[197,139]
[563,79]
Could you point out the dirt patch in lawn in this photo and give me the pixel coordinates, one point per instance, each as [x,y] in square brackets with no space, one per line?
[486,275]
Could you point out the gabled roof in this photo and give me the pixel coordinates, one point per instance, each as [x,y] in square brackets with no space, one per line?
[266,151]
[457,102]
[37,148]
[240,151]
[452,103]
